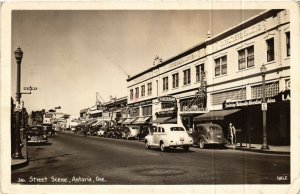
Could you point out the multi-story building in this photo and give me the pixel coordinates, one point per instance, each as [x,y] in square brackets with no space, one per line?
[223,73]
[113,112]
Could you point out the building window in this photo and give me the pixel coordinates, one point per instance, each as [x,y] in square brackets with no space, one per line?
[199,72]
[147,110]
[175,80]
[165,105]
[149,87]
[193,104]
[221,66]
[233,95]
[137,92]
[270,50]
[288,44]
[131,94]
[186,76]
[134,112]
[246,56]
[143,91]
[271,89]
[165,83]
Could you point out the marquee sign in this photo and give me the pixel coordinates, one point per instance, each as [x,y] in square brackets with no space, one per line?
[166,99]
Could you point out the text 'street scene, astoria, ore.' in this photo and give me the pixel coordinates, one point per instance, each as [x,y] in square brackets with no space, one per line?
[151,97]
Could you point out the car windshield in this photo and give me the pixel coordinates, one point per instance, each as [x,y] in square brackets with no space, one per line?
[215,128]
[36,129]
[177,129]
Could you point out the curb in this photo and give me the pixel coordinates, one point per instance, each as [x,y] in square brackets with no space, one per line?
[20,165]
[21,162]
[259,151]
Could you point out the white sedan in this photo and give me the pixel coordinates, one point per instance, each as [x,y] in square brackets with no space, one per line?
[167,136]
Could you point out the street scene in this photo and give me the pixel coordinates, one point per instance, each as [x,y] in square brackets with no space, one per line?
[77,159]
[151,97]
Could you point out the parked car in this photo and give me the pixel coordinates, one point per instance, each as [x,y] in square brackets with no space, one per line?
[36,134]
[107,132]
[101,131]
[118,132]
[49,130]
[130,132]
[167,136]
[144,132]
[208,133]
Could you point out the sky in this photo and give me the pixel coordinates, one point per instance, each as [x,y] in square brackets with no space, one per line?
[70,55]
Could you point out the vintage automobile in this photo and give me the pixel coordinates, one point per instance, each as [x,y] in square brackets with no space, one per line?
[208,133]
[167,136]
[49,130]
[101,131]
[144,132]
[118,132]
[130,132]
[36,134]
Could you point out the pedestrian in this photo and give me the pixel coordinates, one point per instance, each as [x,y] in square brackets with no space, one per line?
[232,133]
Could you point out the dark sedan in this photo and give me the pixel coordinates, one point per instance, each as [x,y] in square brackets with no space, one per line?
[36,134]
[208,133]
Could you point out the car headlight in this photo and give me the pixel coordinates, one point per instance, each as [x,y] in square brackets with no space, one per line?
[44,136]
[28,136]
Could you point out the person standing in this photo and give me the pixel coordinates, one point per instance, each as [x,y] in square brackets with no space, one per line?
[232,133]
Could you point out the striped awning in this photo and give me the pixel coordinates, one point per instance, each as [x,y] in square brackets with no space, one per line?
[142,120]
[128,121]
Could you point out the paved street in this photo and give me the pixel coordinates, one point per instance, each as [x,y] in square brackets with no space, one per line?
[75,159]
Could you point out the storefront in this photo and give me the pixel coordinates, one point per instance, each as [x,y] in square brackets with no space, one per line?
[166,107]
[250,119]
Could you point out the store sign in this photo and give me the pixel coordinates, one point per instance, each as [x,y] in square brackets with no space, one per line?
[166,99]
[166,113]
[246,103]
[285,96]
[193,108]
[142,103]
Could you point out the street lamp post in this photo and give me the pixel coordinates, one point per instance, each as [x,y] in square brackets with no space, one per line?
[17,152]
[263,70]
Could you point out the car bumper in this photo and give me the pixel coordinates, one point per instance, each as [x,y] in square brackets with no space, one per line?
[215,142]
[179,144]
[37,141]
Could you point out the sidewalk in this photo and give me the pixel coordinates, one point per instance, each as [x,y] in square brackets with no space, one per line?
[18,163]
[274,149]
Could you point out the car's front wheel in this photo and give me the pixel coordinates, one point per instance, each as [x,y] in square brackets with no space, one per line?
[147,145]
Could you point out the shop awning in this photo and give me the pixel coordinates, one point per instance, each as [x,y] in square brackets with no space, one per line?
[142,120]
[161,119]
[97,123]
[215,115]
[128,121]
[121,121]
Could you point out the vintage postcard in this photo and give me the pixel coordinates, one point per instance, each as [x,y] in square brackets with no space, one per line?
[150,96]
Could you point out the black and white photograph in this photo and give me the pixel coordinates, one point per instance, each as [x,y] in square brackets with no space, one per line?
[150,97]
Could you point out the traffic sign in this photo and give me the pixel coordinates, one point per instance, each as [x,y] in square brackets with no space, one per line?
[264,106]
